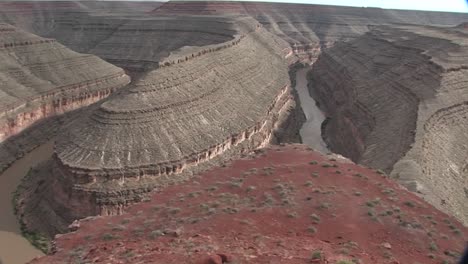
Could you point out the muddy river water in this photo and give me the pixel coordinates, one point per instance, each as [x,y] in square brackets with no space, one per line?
[14,249]
[310,131]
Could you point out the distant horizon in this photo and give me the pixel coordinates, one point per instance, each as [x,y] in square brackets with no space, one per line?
[456,6]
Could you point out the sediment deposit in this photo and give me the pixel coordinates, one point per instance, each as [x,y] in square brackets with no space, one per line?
[397,100]
[225,99]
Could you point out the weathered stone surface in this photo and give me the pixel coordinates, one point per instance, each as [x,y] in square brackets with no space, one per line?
[225,99]
[42,79]
[397,99]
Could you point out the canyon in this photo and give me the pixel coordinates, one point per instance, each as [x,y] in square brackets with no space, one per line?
[140,97]
[395,100]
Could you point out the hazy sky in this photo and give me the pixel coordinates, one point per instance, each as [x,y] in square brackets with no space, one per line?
[433,5]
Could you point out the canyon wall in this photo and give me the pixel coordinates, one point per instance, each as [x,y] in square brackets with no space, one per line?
[41,79]
[396,100]
[310,28]
[224,101]
[135,35]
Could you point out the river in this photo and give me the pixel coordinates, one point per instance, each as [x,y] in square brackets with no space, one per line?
[14,248]
[311,133]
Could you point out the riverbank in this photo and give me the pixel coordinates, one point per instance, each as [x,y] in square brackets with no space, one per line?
[14,248]
[311,129]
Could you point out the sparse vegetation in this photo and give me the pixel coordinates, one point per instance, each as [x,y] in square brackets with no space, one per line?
[108,237]
[312,229]
[292,215]
[433,246]
[315,218]
[156,233]
[345,262]
[309,184]
[324,206]
[317,255]
[381,172]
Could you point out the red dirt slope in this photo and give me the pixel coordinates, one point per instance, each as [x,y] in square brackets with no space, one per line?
[286,205]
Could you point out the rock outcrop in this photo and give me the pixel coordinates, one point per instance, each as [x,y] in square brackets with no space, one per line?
[396,99]
[221,100]
[42,78]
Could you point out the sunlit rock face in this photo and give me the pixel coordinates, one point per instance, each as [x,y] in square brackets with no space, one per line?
[42,78]
[397,100]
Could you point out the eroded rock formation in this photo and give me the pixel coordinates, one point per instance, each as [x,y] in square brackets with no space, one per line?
[42,78]
[310,28]
[135,35]
[224,99]
[397,100]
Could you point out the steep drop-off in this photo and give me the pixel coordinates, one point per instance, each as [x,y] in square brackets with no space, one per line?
[396,100]
[41,79]
[225,100]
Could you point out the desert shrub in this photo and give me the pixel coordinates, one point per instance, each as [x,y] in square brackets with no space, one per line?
[108,237]
[316,255]
[312,229]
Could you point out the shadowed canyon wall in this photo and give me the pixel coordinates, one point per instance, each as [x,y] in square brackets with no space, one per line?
[396,100]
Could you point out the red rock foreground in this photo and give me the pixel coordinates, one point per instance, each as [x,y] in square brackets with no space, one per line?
[286,205]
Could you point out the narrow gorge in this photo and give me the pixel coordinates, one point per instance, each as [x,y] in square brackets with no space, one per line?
[396,99]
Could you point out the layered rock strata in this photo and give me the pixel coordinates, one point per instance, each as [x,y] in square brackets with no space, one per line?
[311,28]
[132,36]
[225,100]
[42,78]
[397,100]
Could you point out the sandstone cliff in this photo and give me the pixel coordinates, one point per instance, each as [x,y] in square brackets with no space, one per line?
[396,99]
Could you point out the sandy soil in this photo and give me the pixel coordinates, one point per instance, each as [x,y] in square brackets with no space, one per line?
[287,205]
